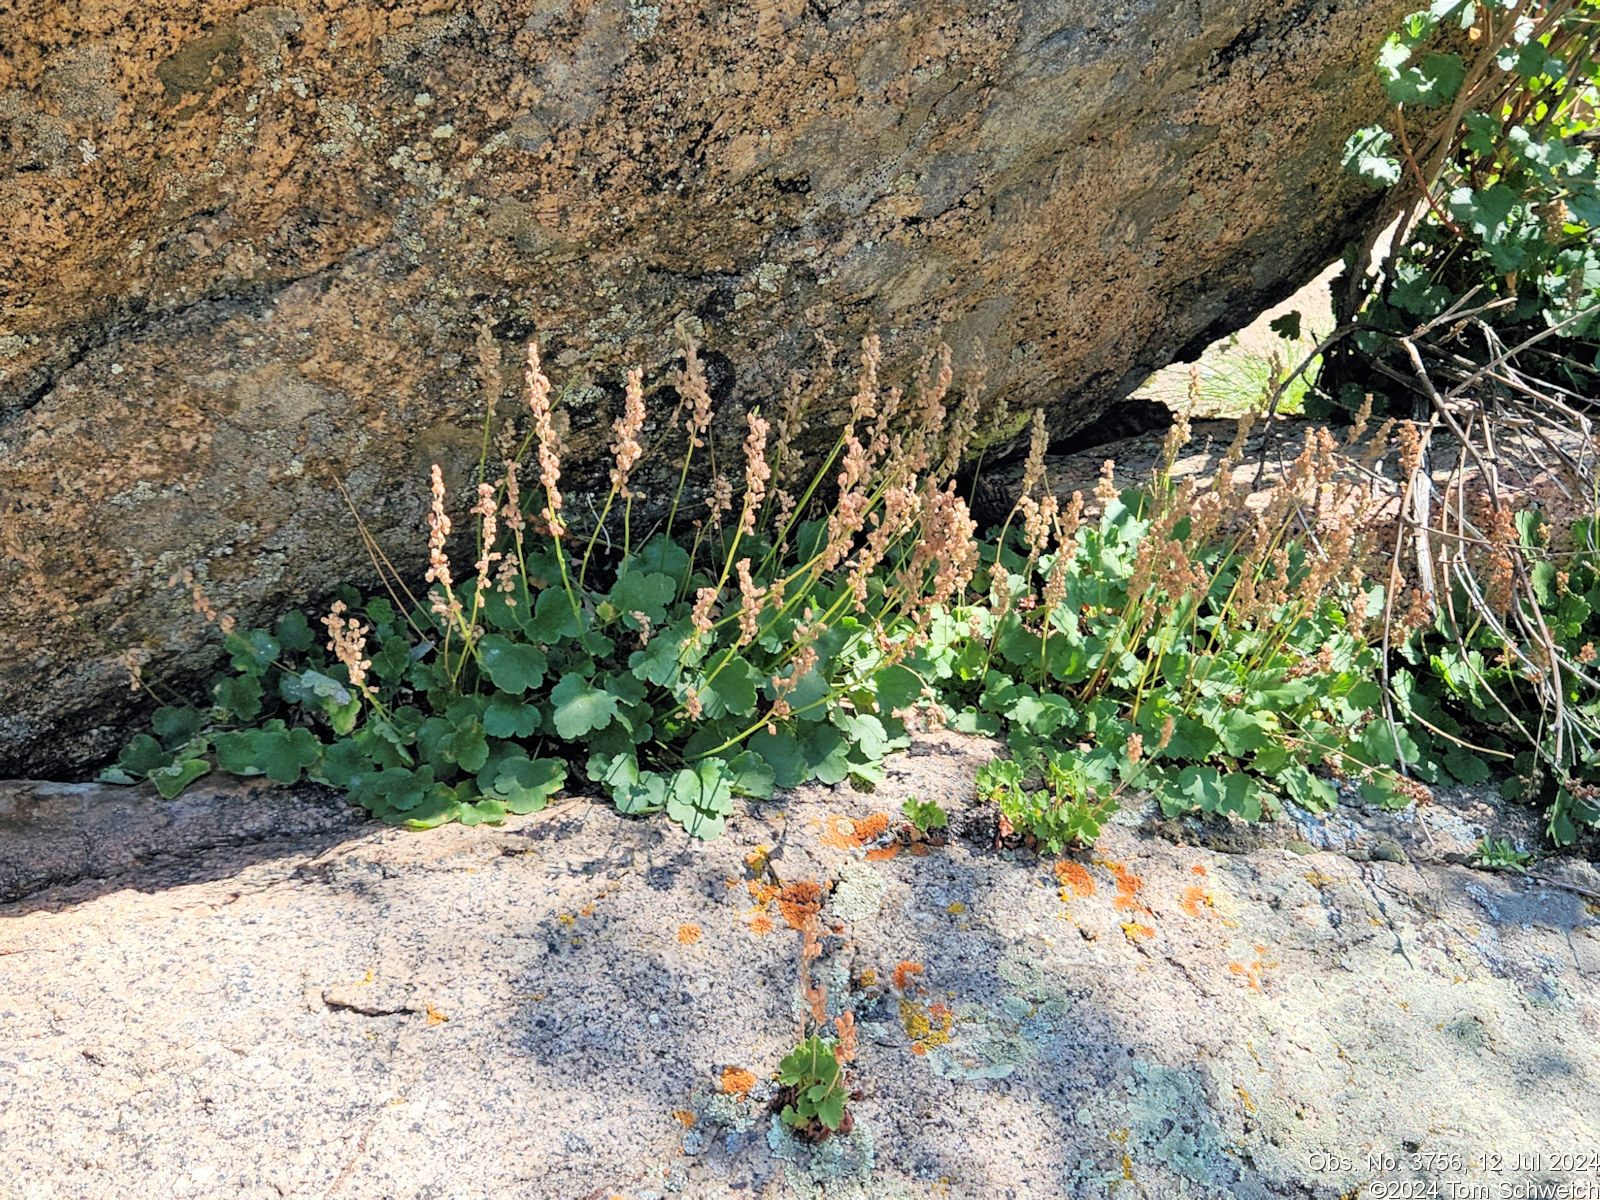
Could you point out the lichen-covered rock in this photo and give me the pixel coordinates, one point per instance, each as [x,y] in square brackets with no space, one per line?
[244,250]
[510,1012]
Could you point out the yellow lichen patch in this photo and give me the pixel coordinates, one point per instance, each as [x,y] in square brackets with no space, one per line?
[956,909]
[925,1025]
[756,860]
[684,1117]
[1137,932]
[737,1082]
[688,935]
[843,833]
[566,918]
[903,973]
[869,978]
[1073,877]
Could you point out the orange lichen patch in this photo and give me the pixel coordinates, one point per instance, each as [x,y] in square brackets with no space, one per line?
[435,1017]
[763,893]
[800,902]
[1137,932]
[843,833]
[688,935]
[1129,886]
[1250,973]
[756,860]
[737,1082]
[1197,869]
[918,850]
[1195,901]
[684,1117]
[761,925]
[869,978]
[918,1048]
[1074,875]
[586,911]
[882,853]
[904,972]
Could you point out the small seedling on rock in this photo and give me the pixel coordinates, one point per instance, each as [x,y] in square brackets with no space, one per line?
[924,814]
[1501,855]
[811,1100]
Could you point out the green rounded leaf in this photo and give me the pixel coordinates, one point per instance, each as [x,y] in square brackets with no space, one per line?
[511,666]
[171,780]
[580,707]
[507,717]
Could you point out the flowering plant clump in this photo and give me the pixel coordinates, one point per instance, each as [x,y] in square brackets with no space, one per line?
[1209,653]
[746,645]
[1220,655]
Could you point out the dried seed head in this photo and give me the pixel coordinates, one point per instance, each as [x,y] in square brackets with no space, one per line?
[133,661]
[1410,449]
[962,426]
[864,403]
[347,639]
[1038,443]
[692,386]
[1166,734]
[1177,437]
[751,604]
[720,500]
[1358,427]
[930,415]
[549,448]
[756,470]
[488,351]
[1106,490]
[438,534]
[705,601]
[487,511]
[626,449]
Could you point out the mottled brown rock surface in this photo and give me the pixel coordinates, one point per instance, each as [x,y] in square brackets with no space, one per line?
[243,250]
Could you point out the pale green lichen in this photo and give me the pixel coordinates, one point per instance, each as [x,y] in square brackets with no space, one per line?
[989,1045]
[859,893]
[740,1114]
[817,1170]
[1165,1122]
